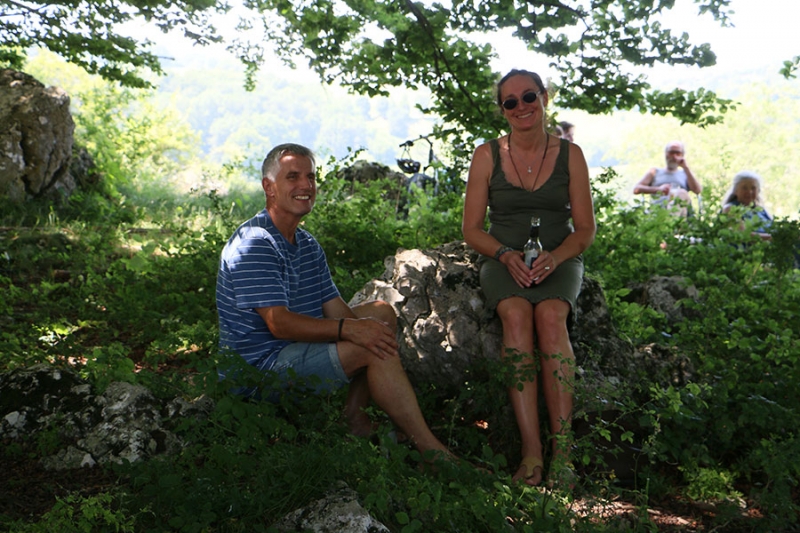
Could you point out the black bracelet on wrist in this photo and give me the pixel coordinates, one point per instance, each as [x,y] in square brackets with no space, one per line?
[341,323]
[500,251]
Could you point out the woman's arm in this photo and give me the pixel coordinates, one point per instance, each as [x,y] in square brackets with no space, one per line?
[476,202]
[473,224]
[580,198]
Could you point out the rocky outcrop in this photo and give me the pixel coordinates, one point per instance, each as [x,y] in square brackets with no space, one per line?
[338,512]
[36,136]
[124,423]
[395,184]
[664,294]
[444,328]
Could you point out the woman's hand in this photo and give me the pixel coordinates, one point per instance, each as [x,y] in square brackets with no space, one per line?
[516,267]
[544,265]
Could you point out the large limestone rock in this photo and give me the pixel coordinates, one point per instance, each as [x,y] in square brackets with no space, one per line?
[444,328]
[338,512]
[664,294]
[125,423]
[366,172]
[36,135]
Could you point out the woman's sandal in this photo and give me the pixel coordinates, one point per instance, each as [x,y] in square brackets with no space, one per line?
[531,464]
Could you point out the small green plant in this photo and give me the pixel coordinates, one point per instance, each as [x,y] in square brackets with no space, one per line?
[49,440]
[710,484]
[83,514]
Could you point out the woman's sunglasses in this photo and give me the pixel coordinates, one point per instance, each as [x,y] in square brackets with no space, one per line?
[528,98]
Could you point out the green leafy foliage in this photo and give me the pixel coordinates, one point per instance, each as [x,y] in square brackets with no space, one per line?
[444,48]
[119,284]
[87,33]
[83,514]
[376,45]
[138,306]
[741,341]
[790,67]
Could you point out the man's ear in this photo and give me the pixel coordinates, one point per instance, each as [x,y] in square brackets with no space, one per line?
[268,186]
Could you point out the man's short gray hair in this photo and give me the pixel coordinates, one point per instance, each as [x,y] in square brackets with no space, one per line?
[673,143]
[269,169]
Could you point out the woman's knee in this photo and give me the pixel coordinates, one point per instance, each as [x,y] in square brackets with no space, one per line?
[551,324]
[515,313]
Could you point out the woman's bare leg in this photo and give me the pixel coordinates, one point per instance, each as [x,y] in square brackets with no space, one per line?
[517,316]
[558,372]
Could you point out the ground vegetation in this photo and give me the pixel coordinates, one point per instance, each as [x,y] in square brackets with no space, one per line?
[117,282]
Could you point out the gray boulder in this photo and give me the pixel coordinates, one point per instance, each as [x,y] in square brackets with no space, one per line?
[366,172]
[664,294]
[444,331]
[338,512]
[36,136]
[124,423]
[443,328]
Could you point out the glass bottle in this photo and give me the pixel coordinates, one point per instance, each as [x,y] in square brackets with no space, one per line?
[533,247]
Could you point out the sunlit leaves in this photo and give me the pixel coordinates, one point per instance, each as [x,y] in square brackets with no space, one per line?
[85,32]
[447,50]
[790,67]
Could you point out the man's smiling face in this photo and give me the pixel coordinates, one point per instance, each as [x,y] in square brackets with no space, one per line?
[294,190]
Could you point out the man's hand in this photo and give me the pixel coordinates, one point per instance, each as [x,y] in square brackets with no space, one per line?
[665,189]
[372,334]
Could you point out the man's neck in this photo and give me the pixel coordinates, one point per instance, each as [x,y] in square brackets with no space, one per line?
[286,223]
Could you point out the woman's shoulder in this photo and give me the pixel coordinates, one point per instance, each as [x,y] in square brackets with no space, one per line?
[490,145]
[575,160]
[487,153]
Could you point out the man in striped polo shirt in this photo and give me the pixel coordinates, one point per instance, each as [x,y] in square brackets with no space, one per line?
[279,308]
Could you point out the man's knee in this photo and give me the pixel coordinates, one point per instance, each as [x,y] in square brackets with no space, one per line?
[378,309]
[680,194]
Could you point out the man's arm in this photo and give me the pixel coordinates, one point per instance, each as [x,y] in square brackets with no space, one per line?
[369,333]
[691,181]
[286,325]
[644,186]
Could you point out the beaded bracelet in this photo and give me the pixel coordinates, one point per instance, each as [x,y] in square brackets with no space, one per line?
[500,251]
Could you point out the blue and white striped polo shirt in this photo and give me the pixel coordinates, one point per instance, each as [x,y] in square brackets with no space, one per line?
[260,268]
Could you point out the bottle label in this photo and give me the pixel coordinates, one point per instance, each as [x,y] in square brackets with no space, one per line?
[530,257]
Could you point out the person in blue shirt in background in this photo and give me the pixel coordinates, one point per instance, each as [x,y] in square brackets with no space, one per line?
[279,308]
[746,192]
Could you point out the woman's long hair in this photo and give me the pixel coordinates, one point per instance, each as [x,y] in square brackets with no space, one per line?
[730,196]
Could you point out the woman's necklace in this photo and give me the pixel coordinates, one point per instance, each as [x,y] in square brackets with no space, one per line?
[519,176]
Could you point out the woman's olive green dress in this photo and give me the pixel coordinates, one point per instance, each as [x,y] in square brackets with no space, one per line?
[510,211]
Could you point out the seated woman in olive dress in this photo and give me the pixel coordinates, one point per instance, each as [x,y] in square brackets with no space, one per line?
[524,174]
